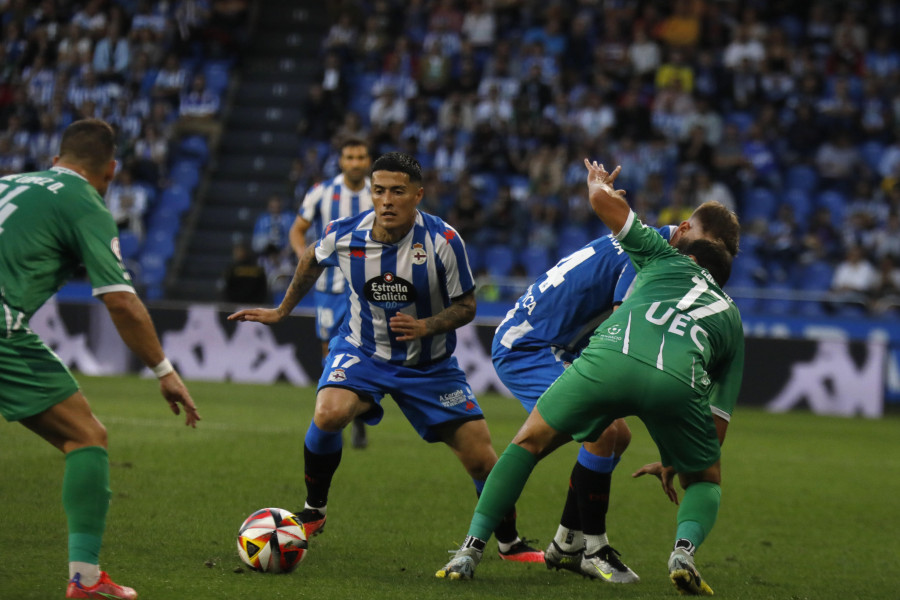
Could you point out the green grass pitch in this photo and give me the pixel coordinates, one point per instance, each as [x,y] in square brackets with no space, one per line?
[809,507]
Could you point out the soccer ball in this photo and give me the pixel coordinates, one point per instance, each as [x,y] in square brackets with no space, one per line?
[272,540]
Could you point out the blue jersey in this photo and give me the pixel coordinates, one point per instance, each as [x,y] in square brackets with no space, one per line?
[328,201]
[564,305]
[419,276]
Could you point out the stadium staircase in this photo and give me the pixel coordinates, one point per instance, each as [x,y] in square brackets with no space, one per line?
[258,145]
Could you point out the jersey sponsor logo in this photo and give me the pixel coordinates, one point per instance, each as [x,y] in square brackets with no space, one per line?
[612,333]
[337,375]
[418,253]
[390,291]
[454,398]
[357,254]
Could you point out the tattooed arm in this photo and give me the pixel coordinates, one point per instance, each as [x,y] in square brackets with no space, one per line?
[460,312]
[308,270]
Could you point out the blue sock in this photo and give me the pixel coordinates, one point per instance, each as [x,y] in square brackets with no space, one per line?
[598,464]
[323,442]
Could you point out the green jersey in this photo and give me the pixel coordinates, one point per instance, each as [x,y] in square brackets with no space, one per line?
[677,319]
[50,222]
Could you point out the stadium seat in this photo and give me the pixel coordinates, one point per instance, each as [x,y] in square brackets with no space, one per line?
[186,173]
[164,217]
[743,120]
[486,187]
[161,242]
[571,238]
[759,203]
[129,244]
[801,203]
[153,269]
[476,258]
[816,276]
[778,306]
[871,152]
[835,202]
[536,260]
[802,177]
[176,199]
[194,146]
[499,260]
[216,73]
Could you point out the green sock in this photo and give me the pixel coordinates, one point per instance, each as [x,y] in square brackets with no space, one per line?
[85,497]
[698,511]
[501,490]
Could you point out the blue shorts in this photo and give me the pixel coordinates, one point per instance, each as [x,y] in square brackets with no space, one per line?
[429,396]
[330,312]
[528,373]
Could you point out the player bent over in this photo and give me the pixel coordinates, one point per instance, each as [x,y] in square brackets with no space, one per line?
[50,222]
[546,329]
[673,344]
[411,287]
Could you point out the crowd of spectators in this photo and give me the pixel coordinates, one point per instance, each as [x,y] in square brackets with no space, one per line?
[788,112]
[134,63]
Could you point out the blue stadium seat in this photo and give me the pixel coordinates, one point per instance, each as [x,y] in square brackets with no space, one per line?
[164,217]
[153,269]
[778,306]
[186,173]
[129,244]
[194,146]
[175,198]
[802,177]
[835,202]
[161,242]
[499,260]
[486,187]
[571,238]
[759,203]
[871,152]
[536,260]
[217,76]
[802,204]
[816,276]
[743,120]
[476,258]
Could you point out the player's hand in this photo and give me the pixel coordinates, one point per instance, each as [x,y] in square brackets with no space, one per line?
[175,393]
[258,315]
[601,182]
[407,328]
[666,476]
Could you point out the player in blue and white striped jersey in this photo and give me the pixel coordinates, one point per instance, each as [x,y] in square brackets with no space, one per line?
[411,287]
[547,328]
[345,195]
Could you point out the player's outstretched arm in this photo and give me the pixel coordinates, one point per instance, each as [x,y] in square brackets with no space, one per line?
[308,270]
[666,476]
[460,312]
[134,325]
[608,203]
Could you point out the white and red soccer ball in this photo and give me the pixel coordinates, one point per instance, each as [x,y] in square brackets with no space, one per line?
[272,540]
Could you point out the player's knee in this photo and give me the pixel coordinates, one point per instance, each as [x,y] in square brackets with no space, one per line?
[331,418]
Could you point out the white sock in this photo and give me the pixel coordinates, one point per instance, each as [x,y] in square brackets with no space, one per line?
[321,509]
[593,543]
[569,540]
[504,547]
[90,574]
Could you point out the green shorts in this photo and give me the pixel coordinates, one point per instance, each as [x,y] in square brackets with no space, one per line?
[32,378]
[603,385]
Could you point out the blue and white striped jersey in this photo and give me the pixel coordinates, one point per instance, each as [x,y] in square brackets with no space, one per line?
[419,275]
[564,305]
[328,201]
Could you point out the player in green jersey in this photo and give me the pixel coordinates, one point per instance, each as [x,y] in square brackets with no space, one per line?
[673,346]
[50,223]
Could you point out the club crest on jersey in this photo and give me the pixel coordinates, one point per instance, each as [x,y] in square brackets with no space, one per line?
[338,375]
[389,291]
[419,255]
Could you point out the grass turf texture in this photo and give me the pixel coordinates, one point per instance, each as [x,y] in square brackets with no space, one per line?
[809,506]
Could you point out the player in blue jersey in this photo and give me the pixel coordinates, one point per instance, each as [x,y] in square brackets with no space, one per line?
[673,348]
[546,329]
[411,287]
[345,195]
